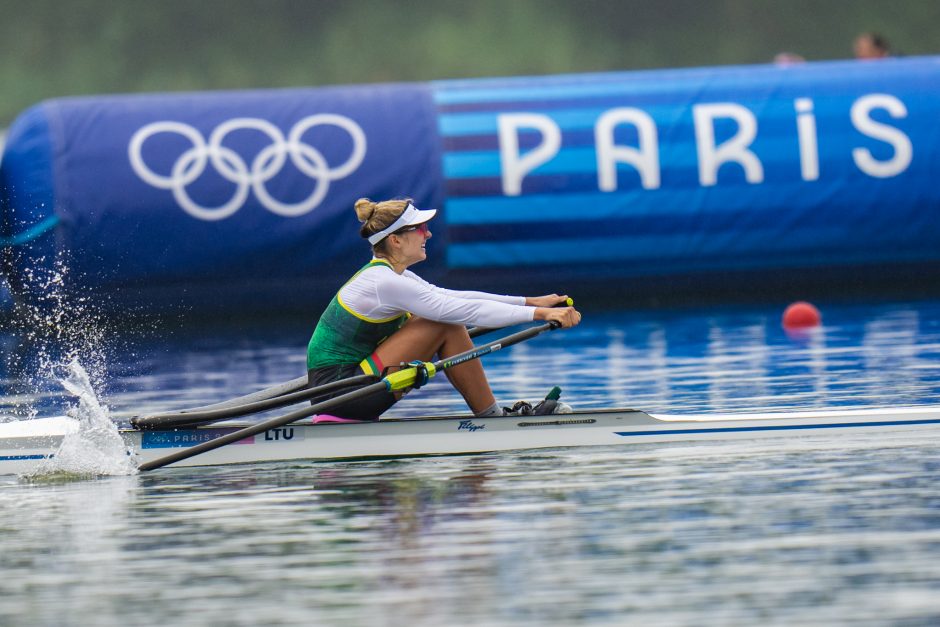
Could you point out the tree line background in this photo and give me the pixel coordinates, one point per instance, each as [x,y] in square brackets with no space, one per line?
[53,48]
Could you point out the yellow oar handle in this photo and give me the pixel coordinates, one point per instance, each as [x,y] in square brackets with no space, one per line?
[406,378]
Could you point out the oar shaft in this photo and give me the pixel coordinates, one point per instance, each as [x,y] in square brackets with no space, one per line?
[281,395]
[189,418]
[478,331]
[275,391]
[486,349]
[398,380]
[261,427]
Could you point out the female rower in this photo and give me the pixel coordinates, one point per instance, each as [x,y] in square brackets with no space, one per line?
[387,315]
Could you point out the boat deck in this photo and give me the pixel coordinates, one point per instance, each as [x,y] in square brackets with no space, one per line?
[25,445]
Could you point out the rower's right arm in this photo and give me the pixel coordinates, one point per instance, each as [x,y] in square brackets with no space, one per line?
[565,316]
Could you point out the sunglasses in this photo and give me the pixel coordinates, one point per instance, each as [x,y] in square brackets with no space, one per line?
[421,228]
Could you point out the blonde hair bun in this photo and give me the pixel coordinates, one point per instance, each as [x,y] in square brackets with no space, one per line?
[365,208]
[376,216]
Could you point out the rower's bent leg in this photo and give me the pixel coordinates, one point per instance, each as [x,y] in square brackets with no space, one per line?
[423,339]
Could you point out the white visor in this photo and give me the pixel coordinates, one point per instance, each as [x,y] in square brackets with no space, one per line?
[409,217]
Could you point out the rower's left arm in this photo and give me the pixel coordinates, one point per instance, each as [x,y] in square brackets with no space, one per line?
[549,300]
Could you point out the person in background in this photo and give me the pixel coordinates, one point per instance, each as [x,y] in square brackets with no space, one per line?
[871,46]
[386,315]
[788,58]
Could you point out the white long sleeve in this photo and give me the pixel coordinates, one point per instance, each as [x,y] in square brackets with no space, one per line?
[379,293]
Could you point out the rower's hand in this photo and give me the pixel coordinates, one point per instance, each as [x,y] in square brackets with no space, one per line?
[565,316]
[549,300]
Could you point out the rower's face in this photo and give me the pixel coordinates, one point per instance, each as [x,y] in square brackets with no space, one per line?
[414,242]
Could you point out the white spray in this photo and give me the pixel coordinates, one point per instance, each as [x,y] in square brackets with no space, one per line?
[96,448]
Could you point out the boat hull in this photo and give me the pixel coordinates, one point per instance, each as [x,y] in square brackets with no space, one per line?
[25,446]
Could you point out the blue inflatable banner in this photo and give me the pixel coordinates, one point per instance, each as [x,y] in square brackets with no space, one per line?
[695,170]
[189,196]
[244,199]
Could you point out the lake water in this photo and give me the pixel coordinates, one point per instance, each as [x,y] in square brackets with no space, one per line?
[842,529]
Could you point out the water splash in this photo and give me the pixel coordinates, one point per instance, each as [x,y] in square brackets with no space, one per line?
[97,448]
[55,324]
[52,325]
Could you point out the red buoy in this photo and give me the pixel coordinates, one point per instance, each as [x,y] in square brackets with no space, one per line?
[801,315]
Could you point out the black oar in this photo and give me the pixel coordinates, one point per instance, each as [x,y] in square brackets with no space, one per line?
[280,395]
[279,389]
[396,381]
[189,418]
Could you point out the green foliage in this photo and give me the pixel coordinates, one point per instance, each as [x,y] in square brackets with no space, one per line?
[53,48]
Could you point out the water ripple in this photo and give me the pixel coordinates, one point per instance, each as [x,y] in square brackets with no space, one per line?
[835,530]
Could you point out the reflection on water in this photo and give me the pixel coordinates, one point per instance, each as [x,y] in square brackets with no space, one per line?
[811,530]
[822,530]
[672,362]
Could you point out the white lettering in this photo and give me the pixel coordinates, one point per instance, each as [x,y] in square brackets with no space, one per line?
[645,158]
[514,165]
[806,134]
[711,157]
[903,151]
[645,155]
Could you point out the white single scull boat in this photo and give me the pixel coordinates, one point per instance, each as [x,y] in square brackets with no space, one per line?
[25,445]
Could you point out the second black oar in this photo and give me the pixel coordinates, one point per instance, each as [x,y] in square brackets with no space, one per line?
[281,395]
[391,383]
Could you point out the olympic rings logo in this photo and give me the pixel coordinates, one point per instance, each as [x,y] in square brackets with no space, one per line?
[190,165]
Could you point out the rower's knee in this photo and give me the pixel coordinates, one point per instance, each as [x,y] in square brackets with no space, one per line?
[445,330]
[456,335]
[441,338]
[454,329]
